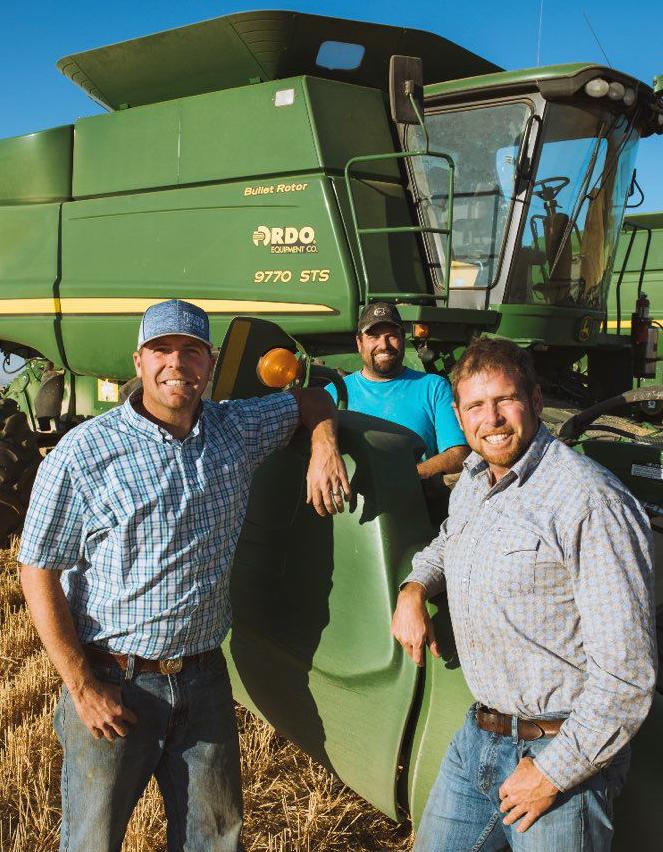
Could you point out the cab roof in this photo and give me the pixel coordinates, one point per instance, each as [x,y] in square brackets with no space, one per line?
[250,47]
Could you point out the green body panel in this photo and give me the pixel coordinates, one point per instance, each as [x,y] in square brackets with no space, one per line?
[637,808]
[36,168]
[230,135]
[29,269]
[638,465]
[444,702]
[555,326]
[312,603]
[197,243]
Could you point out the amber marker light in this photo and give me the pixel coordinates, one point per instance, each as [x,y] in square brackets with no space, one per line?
[420,330]
[278,368]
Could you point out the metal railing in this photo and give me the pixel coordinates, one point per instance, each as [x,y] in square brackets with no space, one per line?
[360,232]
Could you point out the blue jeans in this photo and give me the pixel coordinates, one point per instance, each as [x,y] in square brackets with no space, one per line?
[462,813]
[186,735]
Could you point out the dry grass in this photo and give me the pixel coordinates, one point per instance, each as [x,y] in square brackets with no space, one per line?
[291,803]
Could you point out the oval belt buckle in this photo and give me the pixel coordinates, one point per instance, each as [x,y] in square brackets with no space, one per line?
[170,667]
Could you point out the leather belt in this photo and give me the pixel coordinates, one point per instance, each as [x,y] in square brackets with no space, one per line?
[165,667]
[528,729]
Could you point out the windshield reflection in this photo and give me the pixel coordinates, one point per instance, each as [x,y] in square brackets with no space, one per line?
[484,144]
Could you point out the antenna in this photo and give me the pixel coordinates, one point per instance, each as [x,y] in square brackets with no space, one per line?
[596,38]
[538,44]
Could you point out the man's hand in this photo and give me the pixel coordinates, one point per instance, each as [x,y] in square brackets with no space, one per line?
[411,624]
[327,483]
[526,794]
[100,709]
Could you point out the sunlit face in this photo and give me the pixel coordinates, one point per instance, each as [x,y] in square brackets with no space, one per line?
[499,419]
[175,370]
[381,348]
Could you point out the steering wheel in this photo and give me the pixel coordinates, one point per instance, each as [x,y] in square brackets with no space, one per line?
[550,187]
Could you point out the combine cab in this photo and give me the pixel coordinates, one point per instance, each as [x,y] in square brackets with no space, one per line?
[289,167]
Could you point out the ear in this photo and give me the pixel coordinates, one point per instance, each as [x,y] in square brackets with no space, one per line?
[457,413]
[136,357]
[537,400]
[358,340]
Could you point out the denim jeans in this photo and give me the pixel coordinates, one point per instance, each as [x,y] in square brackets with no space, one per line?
[186,735]
[462,812]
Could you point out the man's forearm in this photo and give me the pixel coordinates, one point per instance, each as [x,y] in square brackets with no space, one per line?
[52,619]
[450,461]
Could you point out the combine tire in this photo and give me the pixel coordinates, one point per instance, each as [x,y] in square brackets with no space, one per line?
[19,460]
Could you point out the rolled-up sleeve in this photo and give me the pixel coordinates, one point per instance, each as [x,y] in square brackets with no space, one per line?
[428,565]
[611,561]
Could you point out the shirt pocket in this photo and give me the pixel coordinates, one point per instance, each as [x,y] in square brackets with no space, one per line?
[514,572]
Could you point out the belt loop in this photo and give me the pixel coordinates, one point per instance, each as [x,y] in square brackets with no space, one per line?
[514,729]
[131,660]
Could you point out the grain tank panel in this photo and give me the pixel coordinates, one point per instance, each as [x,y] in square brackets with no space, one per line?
[233,134]
[280,254]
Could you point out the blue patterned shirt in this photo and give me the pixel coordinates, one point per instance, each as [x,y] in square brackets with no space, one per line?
[144,526]
[549,577]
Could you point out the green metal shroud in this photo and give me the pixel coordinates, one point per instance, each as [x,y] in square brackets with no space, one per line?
[312,604]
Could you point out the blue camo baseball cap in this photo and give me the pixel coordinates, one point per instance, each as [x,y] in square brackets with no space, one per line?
[174,317]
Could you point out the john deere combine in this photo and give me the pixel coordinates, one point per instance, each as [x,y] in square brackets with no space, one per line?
[294,167]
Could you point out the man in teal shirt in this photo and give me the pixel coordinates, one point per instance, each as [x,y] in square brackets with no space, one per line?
[385,388]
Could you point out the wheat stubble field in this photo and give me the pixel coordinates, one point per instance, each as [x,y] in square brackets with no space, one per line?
[291,803]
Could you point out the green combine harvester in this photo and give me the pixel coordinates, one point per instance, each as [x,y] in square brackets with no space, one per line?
[639,270]
[291,168]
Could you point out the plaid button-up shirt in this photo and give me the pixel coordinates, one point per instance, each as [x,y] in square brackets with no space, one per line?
[549,577]
[144,526]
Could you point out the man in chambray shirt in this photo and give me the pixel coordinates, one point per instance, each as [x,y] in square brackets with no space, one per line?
[126,555]
[548,565]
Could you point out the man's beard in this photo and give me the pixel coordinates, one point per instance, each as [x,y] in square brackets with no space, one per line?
[504,456]
[387,367]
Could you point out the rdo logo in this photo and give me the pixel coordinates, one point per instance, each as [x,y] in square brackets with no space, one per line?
[264,236]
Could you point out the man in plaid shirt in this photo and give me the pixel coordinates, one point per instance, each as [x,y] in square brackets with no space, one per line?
[126,555]
[547,561]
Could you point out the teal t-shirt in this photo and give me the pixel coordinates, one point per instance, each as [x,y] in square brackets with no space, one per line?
[419,401]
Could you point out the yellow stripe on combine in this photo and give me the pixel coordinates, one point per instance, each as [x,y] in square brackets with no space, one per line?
[625,323]
[29,306]
[101,306]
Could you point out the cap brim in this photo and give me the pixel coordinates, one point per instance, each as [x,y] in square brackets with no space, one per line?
[173,334]
[380,322]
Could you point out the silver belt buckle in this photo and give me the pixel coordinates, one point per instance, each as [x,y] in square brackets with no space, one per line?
[170,667]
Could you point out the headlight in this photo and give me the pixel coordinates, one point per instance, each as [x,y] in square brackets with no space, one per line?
[616,91]
[597,88]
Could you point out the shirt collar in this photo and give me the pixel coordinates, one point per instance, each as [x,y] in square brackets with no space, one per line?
[475,464]
[152,430]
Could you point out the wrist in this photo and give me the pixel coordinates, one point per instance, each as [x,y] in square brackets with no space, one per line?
[414,591]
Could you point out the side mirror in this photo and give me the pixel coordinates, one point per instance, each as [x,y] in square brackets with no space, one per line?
[256,358]
[406,81]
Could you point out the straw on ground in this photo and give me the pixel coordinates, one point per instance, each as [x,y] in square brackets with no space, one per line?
[291,803]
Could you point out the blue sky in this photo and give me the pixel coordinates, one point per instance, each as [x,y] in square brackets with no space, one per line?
[34,95]
[34,35]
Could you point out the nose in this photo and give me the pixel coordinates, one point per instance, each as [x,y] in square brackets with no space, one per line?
[493,415]
[175,358]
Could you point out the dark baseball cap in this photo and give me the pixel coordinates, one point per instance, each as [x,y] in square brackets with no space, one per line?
[376,313]
[174,317]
